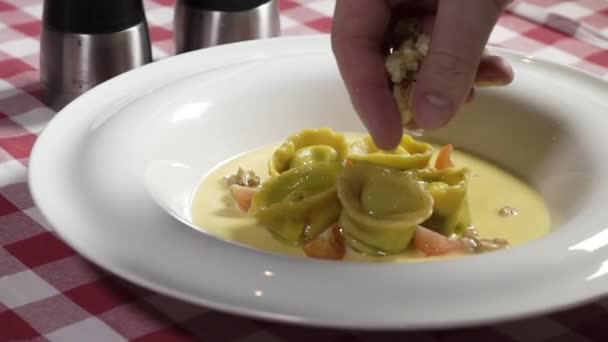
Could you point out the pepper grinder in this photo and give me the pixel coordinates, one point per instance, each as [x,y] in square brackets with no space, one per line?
[204,23]
[86,42]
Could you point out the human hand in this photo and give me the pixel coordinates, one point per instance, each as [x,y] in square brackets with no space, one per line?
[455,62]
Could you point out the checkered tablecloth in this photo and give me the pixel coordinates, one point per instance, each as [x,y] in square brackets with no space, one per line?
[48,292]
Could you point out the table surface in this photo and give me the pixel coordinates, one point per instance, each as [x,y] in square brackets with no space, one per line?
[48,292]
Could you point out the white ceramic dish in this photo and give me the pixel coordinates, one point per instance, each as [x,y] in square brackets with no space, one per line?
[100,169]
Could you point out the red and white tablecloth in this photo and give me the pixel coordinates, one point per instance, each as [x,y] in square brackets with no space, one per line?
[48,292]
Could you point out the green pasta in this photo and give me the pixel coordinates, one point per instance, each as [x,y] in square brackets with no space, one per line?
[410,154]
[449,190]
[306,147]
[381,207]
[378,198]
[299,203]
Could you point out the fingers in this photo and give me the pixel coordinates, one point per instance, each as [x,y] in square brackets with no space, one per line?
[446,80]
[493,71]
[359,28]
[449,70]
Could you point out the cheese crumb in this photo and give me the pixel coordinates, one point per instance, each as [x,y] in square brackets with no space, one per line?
[243,178]
[403,63]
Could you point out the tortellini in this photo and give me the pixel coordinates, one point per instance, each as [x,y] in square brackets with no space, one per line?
[410,154]
[307,147]
[299,203]
[378,198]
[382,207]
[449,190]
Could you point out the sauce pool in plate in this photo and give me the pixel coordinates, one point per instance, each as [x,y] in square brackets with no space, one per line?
[493,193]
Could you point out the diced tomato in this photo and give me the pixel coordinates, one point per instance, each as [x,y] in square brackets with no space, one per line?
[242,195]
[327,245]
[432,243]
[444,158]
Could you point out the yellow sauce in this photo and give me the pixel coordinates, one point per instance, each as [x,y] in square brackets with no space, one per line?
[490,189]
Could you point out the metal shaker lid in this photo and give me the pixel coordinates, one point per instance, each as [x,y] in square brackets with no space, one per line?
[225,5]
[92,16]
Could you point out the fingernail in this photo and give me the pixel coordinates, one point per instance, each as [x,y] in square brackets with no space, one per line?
[433,112]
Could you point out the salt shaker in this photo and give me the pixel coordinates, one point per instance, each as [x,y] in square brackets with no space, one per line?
[86,42]
[203,23]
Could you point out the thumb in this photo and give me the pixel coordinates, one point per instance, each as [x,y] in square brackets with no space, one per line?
[459,36]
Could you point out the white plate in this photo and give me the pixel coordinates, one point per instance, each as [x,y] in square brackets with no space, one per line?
[101,166]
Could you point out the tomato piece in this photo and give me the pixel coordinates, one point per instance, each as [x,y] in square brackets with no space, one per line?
[327,245]
[444,158]
[242,196]
[432,243]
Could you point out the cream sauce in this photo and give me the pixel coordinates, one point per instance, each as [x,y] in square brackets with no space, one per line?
[490,189]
